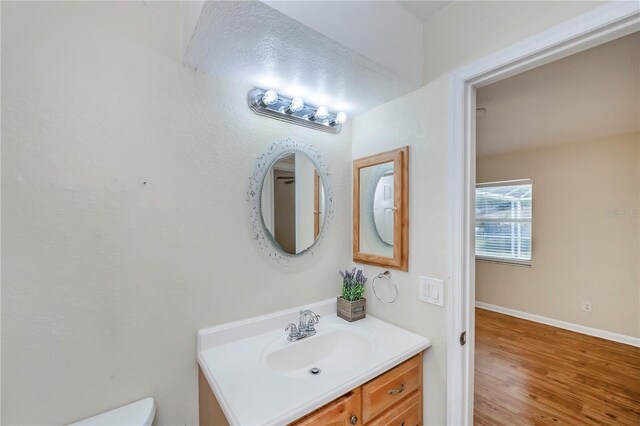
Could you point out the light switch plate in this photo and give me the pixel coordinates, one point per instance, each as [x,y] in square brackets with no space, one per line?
[431,291]
[424,289]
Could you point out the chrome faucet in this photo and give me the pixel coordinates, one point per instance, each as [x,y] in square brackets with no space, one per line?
[305,328]
[307,321]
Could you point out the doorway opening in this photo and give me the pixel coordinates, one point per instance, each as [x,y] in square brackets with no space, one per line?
[603,24]
[557,241]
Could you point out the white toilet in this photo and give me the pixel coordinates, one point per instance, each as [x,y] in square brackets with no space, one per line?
[140,413]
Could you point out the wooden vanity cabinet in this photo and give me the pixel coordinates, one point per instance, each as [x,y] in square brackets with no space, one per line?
[343,411]
[392,398]
[405,413]
[388,389]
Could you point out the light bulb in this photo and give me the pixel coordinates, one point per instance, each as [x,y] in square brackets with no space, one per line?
[341,118]
[270,97]
[296,105]
[321,112]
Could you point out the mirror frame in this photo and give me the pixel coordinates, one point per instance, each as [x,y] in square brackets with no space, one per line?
[400,159]
[265,241]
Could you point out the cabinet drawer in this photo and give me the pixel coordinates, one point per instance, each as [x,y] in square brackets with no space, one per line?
[391,387]
[344,411]
[406,413]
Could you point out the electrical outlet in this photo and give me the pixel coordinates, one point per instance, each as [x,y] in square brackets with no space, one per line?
[586,306]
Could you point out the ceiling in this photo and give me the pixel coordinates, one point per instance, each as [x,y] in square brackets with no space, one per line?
[424,10]
[591,95]
[258,45]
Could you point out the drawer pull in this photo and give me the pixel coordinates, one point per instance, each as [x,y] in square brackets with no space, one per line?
[402,424]
[353,420]
[397,391]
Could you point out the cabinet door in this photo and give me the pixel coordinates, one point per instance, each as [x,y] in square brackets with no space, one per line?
[406,413]
[391,388]
[344,411]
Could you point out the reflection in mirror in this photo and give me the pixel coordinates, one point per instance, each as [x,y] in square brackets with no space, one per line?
[383,207]
[293,203]
[377,209]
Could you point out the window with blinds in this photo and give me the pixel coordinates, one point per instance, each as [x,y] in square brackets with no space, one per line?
[503,221]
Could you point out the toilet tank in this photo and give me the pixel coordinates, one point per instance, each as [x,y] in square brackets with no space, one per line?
[140,413]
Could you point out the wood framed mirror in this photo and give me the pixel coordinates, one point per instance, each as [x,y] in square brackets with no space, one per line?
[381,209]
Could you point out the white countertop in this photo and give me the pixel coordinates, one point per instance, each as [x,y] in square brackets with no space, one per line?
[232,358]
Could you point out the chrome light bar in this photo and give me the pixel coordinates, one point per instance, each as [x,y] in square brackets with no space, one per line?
[269,104]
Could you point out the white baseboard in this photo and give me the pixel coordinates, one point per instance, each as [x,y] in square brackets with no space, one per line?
[620,338]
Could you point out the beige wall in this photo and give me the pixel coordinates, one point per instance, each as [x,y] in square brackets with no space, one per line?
[420,121]
[105,280]
[585,234]
[469,30]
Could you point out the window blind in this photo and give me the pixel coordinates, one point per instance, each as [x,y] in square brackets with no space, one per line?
[503,221]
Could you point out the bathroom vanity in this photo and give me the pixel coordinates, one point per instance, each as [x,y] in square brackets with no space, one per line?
[368,372]
[394,397]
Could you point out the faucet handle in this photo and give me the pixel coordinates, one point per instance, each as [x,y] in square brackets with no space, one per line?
[292,327]
[294,334]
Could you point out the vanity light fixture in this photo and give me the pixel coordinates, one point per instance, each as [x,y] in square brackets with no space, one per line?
[295,111]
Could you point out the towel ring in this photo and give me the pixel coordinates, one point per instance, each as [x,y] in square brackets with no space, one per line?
[386,275]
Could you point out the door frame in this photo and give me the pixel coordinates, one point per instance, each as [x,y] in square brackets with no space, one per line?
[600,25]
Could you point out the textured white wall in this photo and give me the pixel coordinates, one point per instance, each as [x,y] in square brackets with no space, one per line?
[420,121]
[105,279]
[383,31]
[273,50]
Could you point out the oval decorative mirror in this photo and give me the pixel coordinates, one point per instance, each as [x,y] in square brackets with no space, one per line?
[291,202]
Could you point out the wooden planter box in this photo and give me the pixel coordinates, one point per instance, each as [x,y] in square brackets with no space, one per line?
[352,311]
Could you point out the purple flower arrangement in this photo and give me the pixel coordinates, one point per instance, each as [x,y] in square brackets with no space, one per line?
[352,284]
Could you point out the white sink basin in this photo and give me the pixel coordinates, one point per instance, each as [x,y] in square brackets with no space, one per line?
[333,352]
[260,378]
